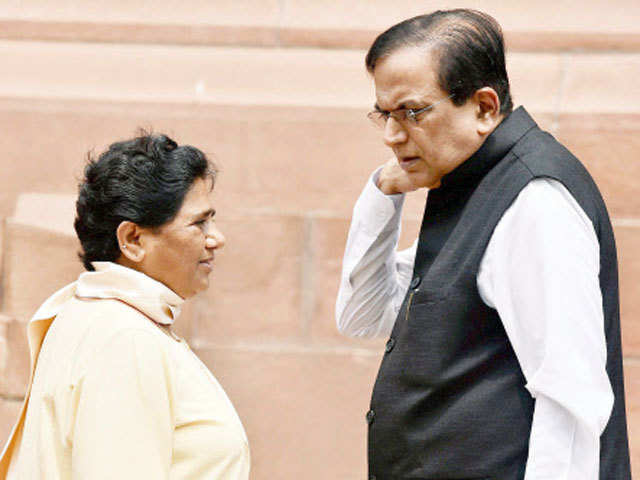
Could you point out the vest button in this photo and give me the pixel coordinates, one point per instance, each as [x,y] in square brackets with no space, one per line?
[390,344]
[415,282]
[370,416]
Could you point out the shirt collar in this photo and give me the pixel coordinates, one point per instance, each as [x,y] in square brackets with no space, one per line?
[513,127]
[111,280]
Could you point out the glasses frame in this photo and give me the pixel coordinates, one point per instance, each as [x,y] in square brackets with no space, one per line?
[410,114]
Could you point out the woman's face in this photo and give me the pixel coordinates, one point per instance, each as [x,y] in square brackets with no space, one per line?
[180,253]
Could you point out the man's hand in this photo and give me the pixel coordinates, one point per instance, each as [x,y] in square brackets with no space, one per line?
[393,179]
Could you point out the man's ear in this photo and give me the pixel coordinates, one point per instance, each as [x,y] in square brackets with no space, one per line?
[488,109]
[129,236]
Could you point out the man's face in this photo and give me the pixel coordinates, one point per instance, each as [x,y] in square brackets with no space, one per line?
[180,253]
[443,137]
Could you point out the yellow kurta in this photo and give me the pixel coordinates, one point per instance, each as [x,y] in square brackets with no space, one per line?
[114,396]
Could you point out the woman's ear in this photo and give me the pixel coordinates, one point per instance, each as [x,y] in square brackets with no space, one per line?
[488,109]
[129,239]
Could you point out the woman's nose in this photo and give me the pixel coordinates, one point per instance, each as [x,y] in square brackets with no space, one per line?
[215,238]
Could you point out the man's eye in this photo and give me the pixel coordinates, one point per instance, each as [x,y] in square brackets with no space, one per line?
[410,114]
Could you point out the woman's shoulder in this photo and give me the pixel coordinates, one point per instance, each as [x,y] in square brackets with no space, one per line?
[105,317]
[92,328]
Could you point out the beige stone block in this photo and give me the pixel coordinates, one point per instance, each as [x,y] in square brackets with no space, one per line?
[168,22]
[279,158]
[535,81]
[38,263]
[9,411]
[31,161]
[255,285]
[557,41]
[609,146]
[603,83]
[199,12]
[314,36]
[309,420]
[200,75]
[546,25]
[627,240]
[544,16]
[632,391]
[327,160]
[94,127]
[165,34]
[14,358]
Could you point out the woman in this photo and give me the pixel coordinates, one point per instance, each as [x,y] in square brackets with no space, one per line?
[115,394]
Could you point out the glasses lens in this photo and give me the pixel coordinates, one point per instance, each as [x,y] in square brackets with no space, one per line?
[377,118]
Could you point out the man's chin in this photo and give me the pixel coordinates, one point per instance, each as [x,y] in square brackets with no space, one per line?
[422,180]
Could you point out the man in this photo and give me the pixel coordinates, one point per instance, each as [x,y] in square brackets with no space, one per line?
[504,359]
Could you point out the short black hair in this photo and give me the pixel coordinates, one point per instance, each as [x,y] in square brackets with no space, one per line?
[143,180]
[469,49]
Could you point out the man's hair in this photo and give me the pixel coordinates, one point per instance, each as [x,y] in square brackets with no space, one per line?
[467,45]
[143,180]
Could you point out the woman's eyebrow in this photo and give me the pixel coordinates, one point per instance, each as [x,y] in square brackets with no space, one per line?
[207,213]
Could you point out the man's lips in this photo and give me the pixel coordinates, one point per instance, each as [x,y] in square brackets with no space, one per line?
[407,163]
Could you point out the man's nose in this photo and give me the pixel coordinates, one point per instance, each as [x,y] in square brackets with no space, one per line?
[215,238]
[394,133]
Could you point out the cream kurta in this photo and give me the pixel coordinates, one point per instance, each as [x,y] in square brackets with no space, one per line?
[114,396]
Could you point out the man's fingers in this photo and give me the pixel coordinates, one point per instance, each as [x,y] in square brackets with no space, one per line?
[393,179]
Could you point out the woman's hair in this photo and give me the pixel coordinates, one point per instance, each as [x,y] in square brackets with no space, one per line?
[143,180]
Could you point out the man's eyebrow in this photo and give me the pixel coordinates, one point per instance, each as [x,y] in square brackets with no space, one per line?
[402,106]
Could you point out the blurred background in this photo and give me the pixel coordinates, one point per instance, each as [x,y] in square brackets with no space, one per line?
[276,92]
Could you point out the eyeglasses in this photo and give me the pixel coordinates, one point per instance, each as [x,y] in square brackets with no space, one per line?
[406,116]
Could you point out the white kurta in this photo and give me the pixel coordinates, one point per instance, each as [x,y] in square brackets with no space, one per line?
[540,272]
[114,395]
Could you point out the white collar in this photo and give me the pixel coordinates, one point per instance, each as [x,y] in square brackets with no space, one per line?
[111,280]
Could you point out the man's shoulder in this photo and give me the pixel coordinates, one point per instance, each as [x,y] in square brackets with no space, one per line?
[543,156]
[540,152]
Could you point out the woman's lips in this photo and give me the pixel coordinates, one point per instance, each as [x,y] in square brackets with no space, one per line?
[208,264]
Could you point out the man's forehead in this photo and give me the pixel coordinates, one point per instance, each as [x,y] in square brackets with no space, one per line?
[405,74]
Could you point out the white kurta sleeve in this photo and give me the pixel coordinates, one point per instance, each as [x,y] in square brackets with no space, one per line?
[375,277]
[540,272]
[123,423]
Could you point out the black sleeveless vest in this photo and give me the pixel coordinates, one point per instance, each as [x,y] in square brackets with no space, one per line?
[450,401]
